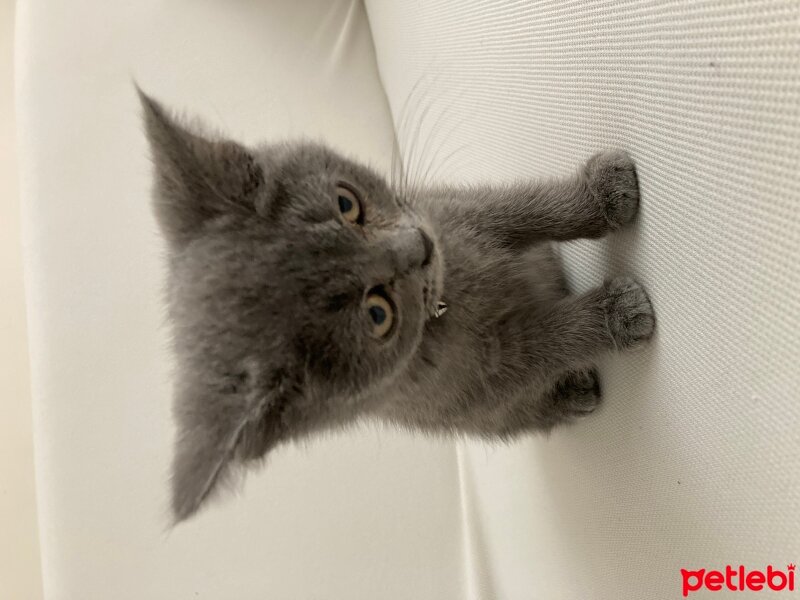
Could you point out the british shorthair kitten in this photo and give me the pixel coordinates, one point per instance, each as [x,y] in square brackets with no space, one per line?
[306,293]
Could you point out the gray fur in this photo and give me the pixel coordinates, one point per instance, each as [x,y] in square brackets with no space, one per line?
[267,284]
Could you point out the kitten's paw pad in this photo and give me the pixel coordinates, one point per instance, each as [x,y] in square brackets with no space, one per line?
[611,177]
[629,313]
[578,392]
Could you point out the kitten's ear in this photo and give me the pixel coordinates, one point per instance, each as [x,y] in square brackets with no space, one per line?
[220,430]
[197,178]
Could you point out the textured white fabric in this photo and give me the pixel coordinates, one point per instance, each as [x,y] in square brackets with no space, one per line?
[366,515]
[694,461]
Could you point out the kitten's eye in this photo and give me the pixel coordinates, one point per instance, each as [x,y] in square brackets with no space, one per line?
[380,313]
[349,204]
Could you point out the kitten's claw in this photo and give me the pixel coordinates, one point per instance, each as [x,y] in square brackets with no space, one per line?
[629,313]
[611,177]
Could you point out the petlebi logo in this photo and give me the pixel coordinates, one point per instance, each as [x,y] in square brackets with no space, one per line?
[738,579]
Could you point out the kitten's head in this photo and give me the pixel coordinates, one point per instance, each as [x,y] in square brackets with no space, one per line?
[299,283]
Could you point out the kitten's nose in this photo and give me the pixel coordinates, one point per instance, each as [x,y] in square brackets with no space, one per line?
[427,244]
[408,249]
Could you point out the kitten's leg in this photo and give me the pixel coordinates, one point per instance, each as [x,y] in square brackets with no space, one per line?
[575,394]
[566,340]
[576,329]
[603,196]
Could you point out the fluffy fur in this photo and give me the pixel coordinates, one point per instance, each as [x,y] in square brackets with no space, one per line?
[267,286]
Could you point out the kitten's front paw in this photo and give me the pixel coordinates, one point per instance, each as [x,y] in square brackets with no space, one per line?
[629,313]
[611,177]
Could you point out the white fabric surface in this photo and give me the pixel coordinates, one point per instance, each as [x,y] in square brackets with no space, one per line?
[694,461]
[364,515]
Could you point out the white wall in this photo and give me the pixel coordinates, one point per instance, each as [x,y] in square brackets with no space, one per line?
[19,548]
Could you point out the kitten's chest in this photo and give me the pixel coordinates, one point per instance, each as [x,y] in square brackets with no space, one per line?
[482,287]
[483,284]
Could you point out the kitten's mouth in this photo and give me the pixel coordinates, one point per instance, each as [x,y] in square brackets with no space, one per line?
[431,298]
[426,298]
[433,272]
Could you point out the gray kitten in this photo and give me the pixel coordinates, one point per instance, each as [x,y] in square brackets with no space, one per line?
[305,293]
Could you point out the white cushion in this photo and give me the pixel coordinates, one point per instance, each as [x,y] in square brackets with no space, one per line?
[694,461]
[360,515]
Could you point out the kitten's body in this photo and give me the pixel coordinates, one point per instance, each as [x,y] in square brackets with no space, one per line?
[303,288]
